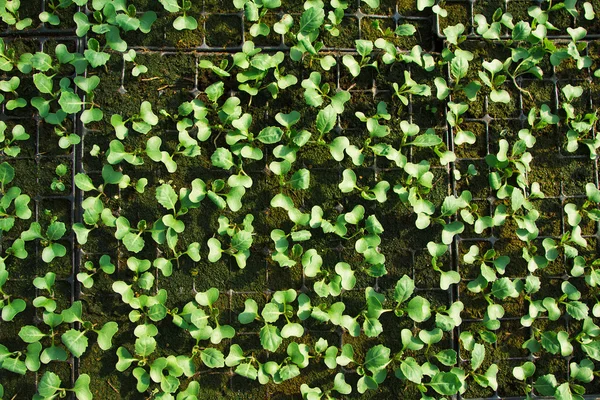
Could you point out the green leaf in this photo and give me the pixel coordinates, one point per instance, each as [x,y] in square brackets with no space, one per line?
[411,370]
[404,289]
[270,338]
[185,22]
[426,140]
[31,334]
[84,182]
[125,359]
[301,179]
[212,358]
[87,84]
[377,358]
[56,230]
[7,173]
[53,353]
[49,384]
[340,385]
[147,114]
[477,356]
[43,83]
[222,158]
[405,30]
[270,135]
[459,67]
[106,334]
[445,383]
[546,385]
[144,346]
[241,241]
[348,183]
[326,119]
[292,330]
[166,196]
[524,371]
[207,298]
[170,5]
[70,102]
[521,31]
[371,3]
[419,309]
[215,252]
[247,371]
[447,357]
[500,96]
[82,387]
[75,341]
[311,20]
[10,310]
[52,251]
[250,312]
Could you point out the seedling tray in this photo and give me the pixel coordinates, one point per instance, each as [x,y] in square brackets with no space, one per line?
[176,73]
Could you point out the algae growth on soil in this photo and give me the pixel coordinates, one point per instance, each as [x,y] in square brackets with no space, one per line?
[248,199]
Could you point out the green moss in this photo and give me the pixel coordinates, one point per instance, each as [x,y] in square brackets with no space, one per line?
[458,13]
[223,31]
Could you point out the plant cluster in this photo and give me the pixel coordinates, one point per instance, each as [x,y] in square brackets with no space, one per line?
[324,190]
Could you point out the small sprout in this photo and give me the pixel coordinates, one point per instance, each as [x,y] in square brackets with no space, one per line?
[138,69]
[57,184]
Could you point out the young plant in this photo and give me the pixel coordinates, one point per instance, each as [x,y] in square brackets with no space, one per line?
[271,336]
[57,184]
[9,305]
[195,318]
[11,196]
[459,68]
[50,15]
[377,192]
[18,134]
[493,31]
[49,240]
[86,278]
[364,48]
[494,79]
[138,69]
[316,93]
[240,242]
[252,77]
[183,21]
[254,11]
[50,387]
[75,340]
[580,126]
[410,87]
[9,12]
[10,86]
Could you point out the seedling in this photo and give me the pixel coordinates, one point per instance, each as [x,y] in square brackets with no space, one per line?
[87,278]
[240,242]
[255,10]
[11,197]
[50,387]
[494,79]
[57,184]
[18,134]
[364,49]
[74,340]
[10,305]
[410,87]
[138,69]
[183,21]
[9,12]
[49,240]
